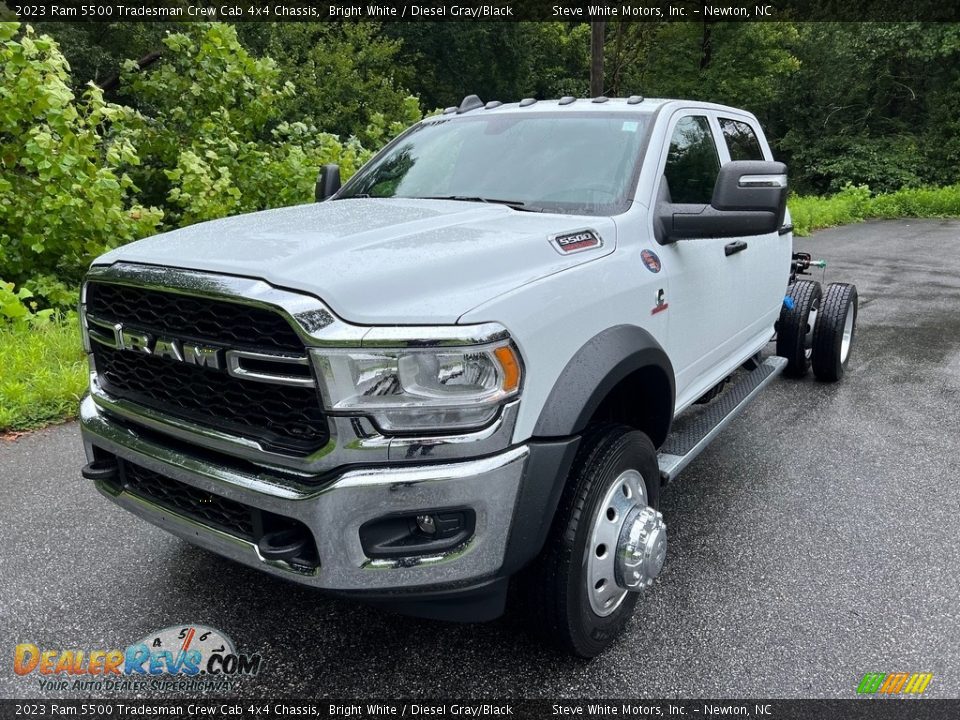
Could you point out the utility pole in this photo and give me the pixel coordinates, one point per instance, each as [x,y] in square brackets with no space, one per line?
[597,30]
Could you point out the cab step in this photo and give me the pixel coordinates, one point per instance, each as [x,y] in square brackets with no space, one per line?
[694,430]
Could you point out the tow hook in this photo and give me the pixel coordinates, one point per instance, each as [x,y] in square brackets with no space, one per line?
[283,544]
[103,470]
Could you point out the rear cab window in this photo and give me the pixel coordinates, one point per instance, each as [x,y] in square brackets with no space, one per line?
[741,140]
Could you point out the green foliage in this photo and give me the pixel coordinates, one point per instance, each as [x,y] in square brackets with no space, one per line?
[207,183]
[348,76]
[96,51]
[559,55]
[213,136]
[856,204]
[833,162]
[862,103]
[874,103]
[64,194]
[812,212]
[495,60]
[204,134]
[18,308]
[739,64]
[44,373]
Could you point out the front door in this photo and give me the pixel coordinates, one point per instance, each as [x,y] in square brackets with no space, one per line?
[703,311]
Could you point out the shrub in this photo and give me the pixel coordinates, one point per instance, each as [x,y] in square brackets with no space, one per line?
[18,308]
[205,138]
[64,195]
[349,77]
[855,204]
[212,131]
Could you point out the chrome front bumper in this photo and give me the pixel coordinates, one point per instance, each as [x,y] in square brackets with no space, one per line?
[333,513]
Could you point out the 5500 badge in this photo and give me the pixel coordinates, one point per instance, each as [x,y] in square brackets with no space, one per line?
[193,650]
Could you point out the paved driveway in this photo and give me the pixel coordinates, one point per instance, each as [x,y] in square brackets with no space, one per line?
[818,539]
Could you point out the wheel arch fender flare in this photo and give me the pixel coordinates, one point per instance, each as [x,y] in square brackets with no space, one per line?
[596,368]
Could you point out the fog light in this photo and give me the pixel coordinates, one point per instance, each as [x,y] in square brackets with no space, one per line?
[426,524]
[427,532]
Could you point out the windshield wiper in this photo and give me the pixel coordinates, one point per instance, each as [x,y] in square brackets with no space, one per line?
[515,204]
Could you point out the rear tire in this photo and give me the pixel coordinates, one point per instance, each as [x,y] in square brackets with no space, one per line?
[834,331]
[558,586]
[795,327]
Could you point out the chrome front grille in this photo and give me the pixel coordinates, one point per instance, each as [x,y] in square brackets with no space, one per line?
[187,316]
[284,417]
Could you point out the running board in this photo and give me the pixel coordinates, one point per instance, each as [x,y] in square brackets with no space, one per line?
[694,430]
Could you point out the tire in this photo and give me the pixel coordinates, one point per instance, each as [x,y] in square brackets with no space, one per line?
[555,587]
[834,331]
[795,326]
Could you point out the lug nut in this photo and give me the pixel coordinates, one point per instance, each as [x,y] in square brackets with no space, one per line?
[427,524]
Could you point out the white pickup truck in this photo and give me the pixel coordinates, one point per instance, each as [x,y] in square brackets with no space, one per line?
[478,360]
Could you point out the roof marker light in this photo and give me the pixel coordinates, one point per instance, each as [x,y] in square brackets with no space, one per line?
[470,102]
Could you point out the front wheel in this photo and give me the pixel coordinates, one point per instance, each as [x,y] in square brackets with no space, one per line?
[608,542]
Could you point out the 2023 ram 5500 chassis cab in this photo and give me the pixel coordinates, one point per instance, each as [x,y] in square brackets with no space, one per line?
[463,365]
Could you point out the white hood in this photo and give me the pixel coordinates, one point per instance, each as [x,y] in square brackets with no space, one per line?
[380,261]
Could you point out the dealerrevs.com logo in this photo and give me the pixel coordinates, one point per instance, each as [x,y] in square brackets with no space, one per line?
[180,657]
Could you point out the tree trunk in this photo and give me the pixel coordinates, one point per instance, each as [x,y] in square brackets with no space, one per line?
[706,46]
[146,61]
[596,57]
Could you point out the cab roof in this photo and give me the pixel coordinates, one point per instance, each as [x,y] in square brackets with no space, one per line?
[472,106]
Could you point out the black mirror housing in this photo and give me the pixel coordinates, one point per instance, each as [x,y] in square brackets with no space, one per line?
[749,198]
[328,182]
[751,185]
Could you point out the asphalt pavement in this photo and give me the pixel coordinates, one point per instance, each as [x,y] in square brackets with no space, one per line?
[817,539]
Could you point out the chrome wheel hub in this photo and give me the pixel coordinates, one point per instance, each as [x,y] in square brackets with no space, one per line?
[627,547]
[642,549]
[847,336]
[808,335]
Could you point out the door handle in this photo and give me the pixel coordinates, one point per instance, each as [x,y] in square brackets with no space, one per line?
[734,247]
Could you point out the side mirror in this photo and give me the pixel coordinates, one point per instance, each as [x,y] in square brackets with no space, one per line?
[749,198]
[328,182]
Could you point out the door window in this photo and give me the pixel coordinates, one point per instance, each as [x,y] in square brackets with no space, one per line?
[692,162]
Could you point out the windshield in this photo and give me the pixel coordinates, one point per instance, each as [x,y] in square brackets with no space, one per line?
[563,162]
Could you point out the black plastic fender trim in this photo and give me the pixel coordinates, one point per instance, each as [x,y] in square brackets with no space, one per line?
[541,486]
[589,376]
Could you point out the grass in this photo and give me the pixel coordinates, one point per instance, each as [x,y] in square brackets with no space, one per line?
[855,204]
[43,373]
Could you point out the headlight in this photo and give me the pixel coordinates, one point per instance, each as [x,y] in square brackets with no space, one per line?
[420,388]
